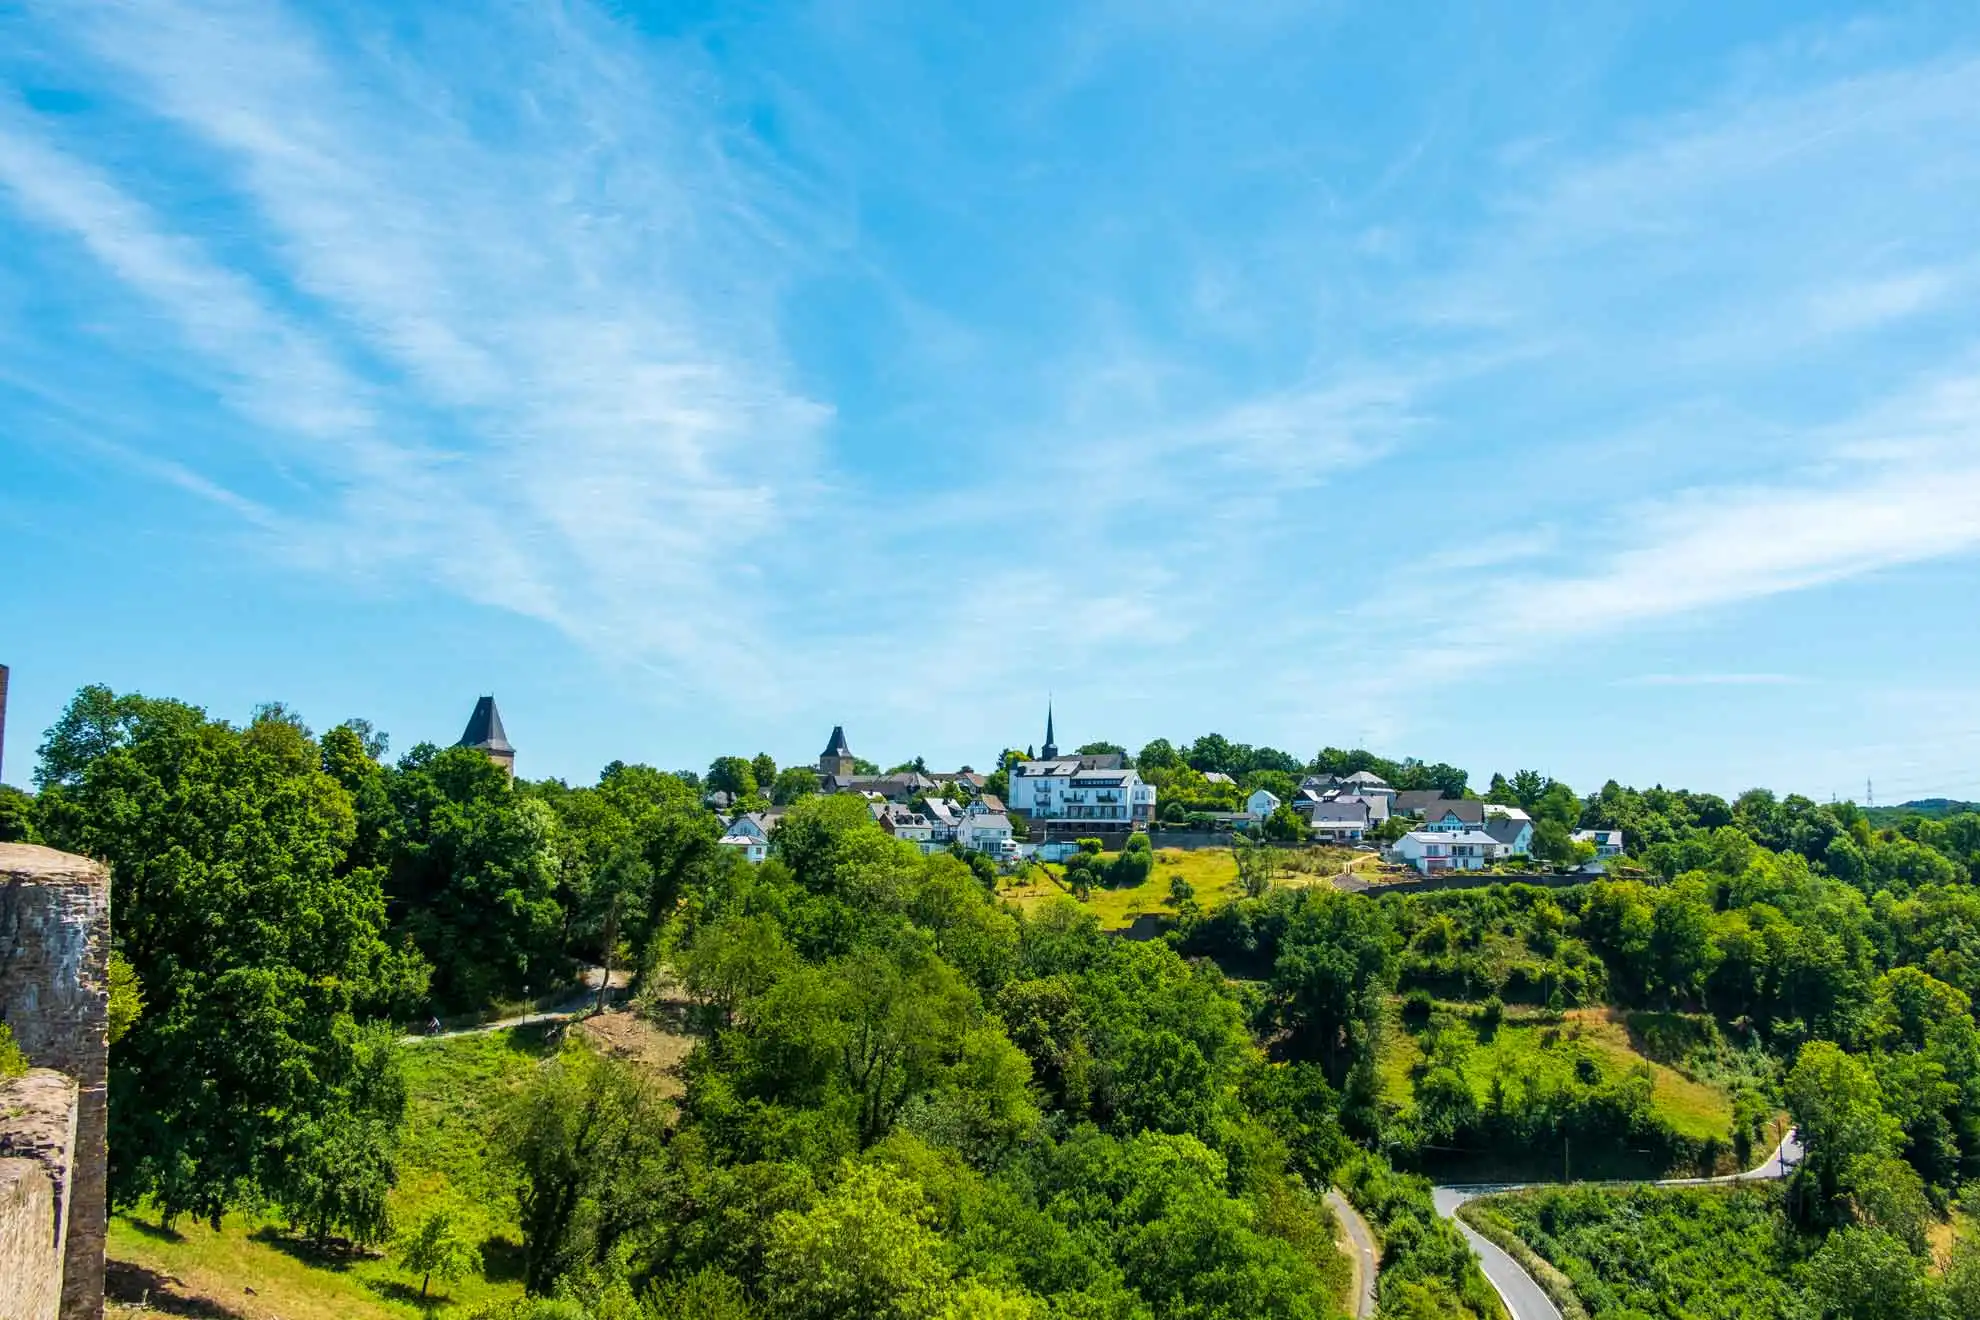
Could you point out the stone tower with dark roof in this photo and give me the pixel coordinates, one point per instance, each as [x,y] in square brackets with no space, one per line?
[1050,751]
[485,734]
[837,758]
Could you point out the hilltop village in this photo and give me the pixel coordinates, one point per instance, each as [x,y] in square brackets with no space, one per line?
[1039,804]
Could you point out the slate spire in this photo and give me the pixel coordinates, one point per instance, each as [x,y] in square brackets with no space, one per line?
[485,734]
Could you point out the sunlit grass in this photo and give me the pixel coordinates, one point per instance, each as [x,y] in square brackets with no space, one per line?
[1212,872]
[456,1088]
[1549,1049]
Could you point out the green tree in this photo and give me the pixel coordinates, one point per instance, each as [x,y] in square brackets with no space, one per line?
[1335,962]
[587,1142]
[865,1248]
[256,947]
[1285,825]
[436,1246]
[342,1164]
[1866,1274]
[16,815]
[473,877]
[763,768]
[793,783]
[1836,1103]
[731,774]
[126,1004]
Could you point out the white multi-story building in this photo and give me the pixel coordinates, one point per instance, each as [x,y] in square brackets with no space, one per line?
[1431,851]
[1071,789]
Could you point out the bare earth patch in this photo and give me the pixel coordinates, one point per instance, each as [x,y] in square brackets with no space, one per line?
[626,1035]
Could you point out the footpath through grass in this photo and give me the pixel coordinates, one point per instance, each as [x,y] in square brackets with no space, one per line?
[455,1090]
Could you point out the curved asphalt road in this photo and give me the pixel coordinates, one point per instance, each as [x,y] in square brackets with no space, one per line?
[1524,1298]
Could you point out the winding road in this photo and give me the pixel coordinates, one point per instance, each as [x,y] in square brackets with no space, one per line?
[1525,1299]
[1363,1252]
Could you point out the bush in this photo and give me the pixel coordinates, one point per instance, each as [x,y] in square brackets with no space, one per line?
[1417,1007]
[1491,1013]
[1091,847]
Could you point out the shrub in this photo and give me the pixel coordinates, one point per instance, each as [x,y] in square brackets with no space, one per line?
[1491,1013]
[1417,1007]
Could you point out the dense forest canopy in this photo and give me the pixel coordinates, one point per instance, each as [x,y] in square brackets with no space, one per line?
[913,1098]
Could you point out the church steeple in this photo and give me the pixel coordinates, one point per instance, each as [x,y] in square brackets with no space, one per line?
[1050,751]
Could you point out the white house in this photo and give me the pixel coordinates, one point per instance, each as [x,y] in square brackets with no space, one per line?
[1070,788]
[754,847]
[1432,851]
[907,824]
[1261,804]
[1376,803]
[1341,821]
[1608,843]
[987,832]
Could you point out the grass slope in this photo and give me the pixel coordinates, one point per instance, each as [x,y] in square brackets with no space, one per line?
[455,1090]
[1212,872]
[1548,1044]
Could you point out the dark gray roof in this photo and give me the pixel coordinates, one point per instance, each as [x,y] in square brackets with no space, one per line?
[484,729]
[1470,813]
[1412,800]
[1505,829]
[1352,812]
[836,746]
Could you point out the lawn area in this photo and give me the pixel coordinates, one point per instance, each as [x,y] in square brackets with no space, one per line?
[1548,1046]
[455,1090]
[1212,872]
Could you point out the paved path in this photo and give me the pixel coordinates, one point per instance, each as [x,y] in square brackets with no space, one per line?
[580,1002]
[1524,1298]
[1366,1262]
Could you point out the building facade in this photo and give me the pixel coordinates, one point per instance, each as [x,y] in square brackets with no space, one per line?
[1073,789]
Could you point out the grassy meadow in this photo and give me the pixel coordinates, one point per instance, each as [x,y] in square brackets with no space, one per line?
[1212,872]
[455,1090]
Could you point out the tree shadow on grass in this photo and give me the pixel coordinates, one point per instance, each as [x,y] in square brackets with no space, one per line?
[397,1290]
[158,1232]
[336,1254]
[502,1259]
[156,1292]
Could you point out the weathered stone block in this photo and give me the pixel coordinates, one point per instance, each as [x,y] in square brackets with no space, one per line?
[37,1144]
[54,995]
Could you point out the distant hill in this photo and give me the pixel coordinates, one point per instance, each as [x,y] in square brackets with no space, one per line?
[1931,808]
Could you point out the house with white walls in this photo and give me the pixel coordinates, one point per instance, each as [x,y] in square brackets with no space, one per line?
[1072,789]
[1342,821]
[1261,804]
[1434,851]
[1608,843]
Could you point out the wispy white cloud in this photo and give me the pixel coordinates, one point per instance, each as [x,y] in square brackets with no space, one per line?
[531,324]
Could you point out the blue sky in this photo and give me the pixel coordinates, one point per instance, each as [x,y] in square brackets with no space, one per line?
[1593,388]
